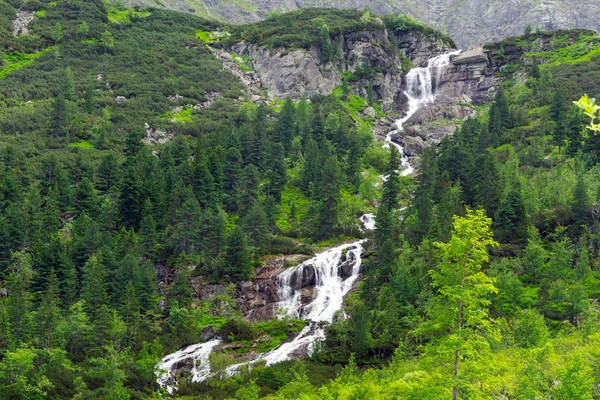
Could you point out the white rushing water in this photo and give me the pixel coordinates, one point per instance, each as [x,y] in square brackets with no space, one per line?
[367,221]
[335,273]
[421,85]
[335,270]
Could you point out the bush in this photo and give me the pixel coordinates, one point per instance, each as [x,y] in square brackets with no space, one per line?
[237,330]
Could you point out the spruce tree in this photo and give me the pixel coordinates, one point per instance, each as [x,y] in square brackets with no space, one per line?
[511,218]
[237,257]
[129,205]
[232,171]
[257,228]
[328,198]
[286,125]
[85,198]
[311,172]
[276,173]
[59,122]
[579,206]
[391,186]
[19,302]
[93,288]
[48,313]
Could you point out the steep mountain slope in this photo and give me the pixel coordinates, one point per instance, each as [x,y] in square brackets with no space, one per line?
[467,21]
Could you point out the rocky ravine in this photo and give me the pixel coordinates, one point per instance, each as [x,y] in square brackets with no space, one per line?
[468,22]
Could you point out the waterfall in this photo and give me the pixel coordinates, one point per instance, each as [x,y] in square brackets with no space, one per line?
[334,273]
[421,86]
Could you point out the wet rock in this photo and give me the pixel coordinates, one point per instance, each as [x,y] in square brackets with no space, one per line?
[207,333]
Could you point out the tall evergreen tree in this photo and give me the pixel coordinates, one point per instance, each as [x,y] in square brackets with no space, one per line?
[237,256]
[93,288]
[286,125]
[391,186]
[48,313]
[328,198]
[511,218]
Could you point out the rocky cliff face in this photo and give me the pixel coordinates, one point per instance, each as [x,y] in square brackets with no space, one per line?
[468,22]
[283,73]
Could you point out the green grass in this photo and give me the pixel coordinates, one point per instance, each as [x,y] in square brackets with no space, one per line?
[183,116]
[17,60]
[123,16]
[82,144]
[210,37]
[40,13]
[586,48]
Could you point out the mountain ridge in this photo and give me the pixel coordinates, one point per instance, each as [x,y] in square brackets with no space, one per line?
[468,22]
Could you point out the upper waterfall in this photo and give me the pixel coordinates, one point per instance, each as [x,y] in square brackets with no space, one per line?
[421,86]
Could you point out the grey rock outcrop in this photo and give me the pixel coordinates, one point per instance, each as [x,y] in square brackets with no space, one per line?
[283,73]
[468,22]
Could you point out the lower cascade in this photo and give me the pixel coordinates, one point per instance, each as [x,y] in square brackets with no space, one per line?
[421,85]
[335,272]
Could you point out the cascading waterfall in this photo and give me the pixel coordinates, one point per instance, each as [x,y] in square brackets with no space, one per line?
[421,85]
[335,273]
[336,270]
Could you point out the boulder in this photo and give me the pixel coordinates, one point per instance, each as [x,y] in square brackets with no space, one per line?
[207,333]
[475,56]
[370,112]
[413,146]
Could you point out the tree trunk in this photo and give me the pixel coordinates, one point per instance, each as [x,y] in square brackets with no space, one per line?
[455,375]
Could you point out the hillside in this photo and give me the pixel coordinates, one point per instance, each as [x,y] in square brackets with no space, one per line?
[467,22]
[323,204]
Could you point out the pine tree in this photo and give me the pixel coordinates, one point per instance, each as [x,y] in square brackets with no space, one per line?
[311,172]
[60,117]
[370,94]
[48,315]
[328,198]
[93,288]
[317,124]
[129,309]
[232,171]
[6,339]
[18,304]
[384,225]
[237,257]
[391,186]
[511,218]
[276,173]
[85,198]
[148,235]
[579,206]
[147,296]
[361,327]
[558,106]
[286,125]
[108,173]
[187,225]
[534,72]
[257,228]
[386,260]
[489,184]
[213,232]
[89,104]
[249,188]
[129,205]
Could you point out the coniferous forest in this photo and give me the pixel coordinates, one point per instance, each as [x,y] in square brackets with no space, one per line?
[137,173]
